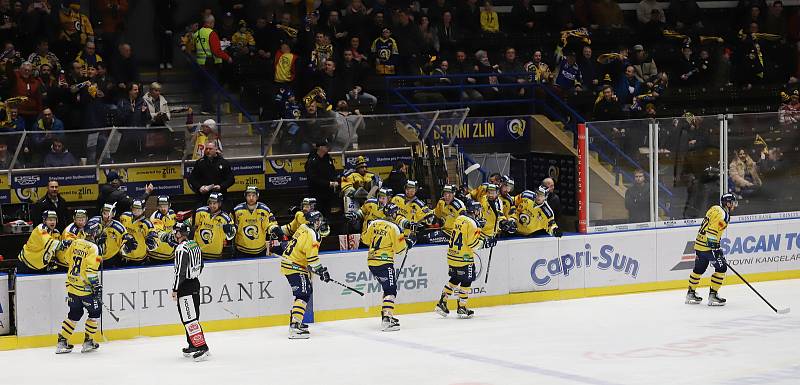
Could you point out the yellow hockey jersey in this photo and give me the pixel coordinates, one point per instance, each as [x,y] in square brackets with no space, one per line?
[352,180]
[75,26]
[209,232]
[252,227]
[385,240]
[714,224]
[479,192]
[532,218]
[301,252]
[299,219]
[113,232]
[163,223]
[40,247]
[372,210]
[493,213]
[84,262]
[448,213]
[71,232]
[509,205]
[140,229]
[466,238]
[415,210]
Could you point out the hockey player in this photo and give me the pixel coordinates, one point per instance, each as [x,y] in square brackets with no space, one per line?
[113,234]
[186,288]
[493,214]
[707,248]
[534,215]
[373,209]
[467,237]
[212,227]
[307,206]
[506,196]
[254,220]
[38,253]
[448,209]
[300,258]
[163,219]
[142,230]
[352,180]
[479,192]
[411,207]
[385,240]
[84,290]
[75,230]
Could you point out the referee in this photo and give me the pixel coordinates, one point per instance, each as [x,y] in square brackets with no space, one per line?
[186,289]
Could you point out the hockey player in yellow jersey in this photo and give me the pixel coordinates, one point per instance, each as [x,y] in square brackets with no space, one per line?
[142,230]
[213,227]
[411,207]
[708,250]
[479,192]
[300,258]
[385,240]
[534,215]
[38,253]
[307,206]
[254,220]
[112,233]
[84,290]
[467,237]
[163,219]
[75,230]
[507,197]
[448,209]
[371,210]
[493,214]
[352,180]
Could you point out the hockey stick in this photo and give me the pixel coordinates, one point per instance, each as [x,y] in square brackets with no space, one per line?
[779,311]
[491,249]
[114,316]
[359,292]
[230,312]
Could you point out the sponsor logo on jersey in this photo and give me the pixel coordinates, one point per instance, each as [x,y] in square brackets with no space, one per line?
[206,235]
[542,270]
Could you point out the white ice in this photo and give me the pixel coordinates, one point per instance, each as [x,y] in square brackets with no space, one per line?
[650,338]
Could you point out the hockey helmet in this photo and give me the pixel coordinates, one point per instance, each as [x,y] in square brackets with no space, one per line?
[313,216]
[110,207]
[448,189]
[251,190]
[411,184]
[361,162]
[137,204]
[728,197]
[80,213]
[183,228]
[390,210]
[47,214]
[215,197]
[163,200]
[473,207]
[384,192]
[310,202]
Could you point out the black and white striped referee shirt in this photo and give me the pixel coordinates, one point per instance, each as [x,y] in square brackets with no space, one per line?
[188,262]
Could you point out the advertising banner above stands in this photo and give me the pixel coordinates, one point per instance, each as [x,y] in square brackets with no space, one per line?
[487,130]
[74,185]
[379,163]
[5,191]
[166,179]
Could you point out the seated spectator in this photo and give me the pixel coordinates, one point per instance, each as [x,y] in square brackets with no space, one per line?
[47,128]
[644,65]
[569,74]
[637,199]
[523,15]
[157,105]
[771,164]
[12,121]
[744,174]
[607,106]
[628,87]
[437,9]
[686,67]
[42,55]
[462,66]
[485,67]
[510,65]
[202,135]
[59,156]
[490,22]
[5,156]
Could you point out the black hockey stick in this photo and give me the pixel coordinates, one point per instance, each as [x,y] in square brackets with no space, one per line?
[491,249]
[359,292]
[779,311]
[114,316]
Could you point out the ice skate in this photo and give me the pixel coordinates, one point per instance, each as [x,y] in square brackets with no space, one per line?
[296,331]
[715,300]
[389,324]
[189,351]
[201,354]
[463,312]
[692,298]
[89,345]
[63,346]
[441,308]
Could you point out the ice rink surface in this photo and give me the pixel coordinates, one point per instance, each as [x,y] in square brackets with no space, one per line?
[651,338]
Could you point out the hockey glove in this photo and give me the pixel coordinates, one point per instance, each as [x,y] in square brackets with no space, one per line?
[490,242]
[351,217]
[168,238]
[512,226]
[64,244]
[151,242]
[323,273]
[413,226]
[324,229]
[129,244]
[712,244]
[411,240]
[229,230]
[504,225]
[278,233]
[719,257]
[557,232]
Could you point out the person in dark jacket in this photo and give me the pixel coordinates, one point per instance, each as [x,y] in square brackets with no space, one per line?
[211,173]
[52,201]
[397,177]
[322,180]
[637,199]
[111,193]
[552,198]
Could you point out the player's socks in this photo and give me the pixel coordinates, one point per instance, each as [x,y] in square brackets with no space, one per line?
[716,281]
[694,280]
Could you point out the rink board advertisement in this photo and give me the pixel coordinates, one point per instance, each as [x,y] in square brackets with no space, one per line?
[256,288]
[5,192]
[75,185]
[5,324]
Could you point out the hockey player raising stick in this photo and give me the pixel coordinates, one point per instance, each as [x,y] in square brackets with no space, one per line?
[385,240]
[84,290]
[186,288]
[163,219]
[707,248]
[465,240]
[302,254]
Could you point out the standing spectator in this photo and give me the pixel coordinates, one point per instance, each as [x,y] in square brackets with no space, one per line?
[552,198]
[685,15]
[52,201]
[76,29]
[337,31]
[490,22]
[560,15]
[744,174]
[211,173]
[462,66]
[323,50]
[704,68]
[588,67]
[644,65]
[469,19]
[322,178]
[88,56]
[157,105]
[398,177]
[112,22]
[356,20]
[285,67]
[539,70]
[5,156]
[132,109]
[686,68]
[124,69]
[607,106]
[523,16]
[448,34]
[23,83]
[164,28]
[569,74]
[8,26]
[201,135]
[647,10]
[408,38]
[628,87]
[637,199]
[511,65]
[209,56]
[385,52]
[437,9]
[47,128]
[352,73]
[331,82]
[775,20]
[59,156]
[42,55]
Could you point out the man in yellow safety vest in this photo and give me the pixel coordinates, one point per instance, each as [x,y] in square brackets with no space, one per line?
[209,56]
